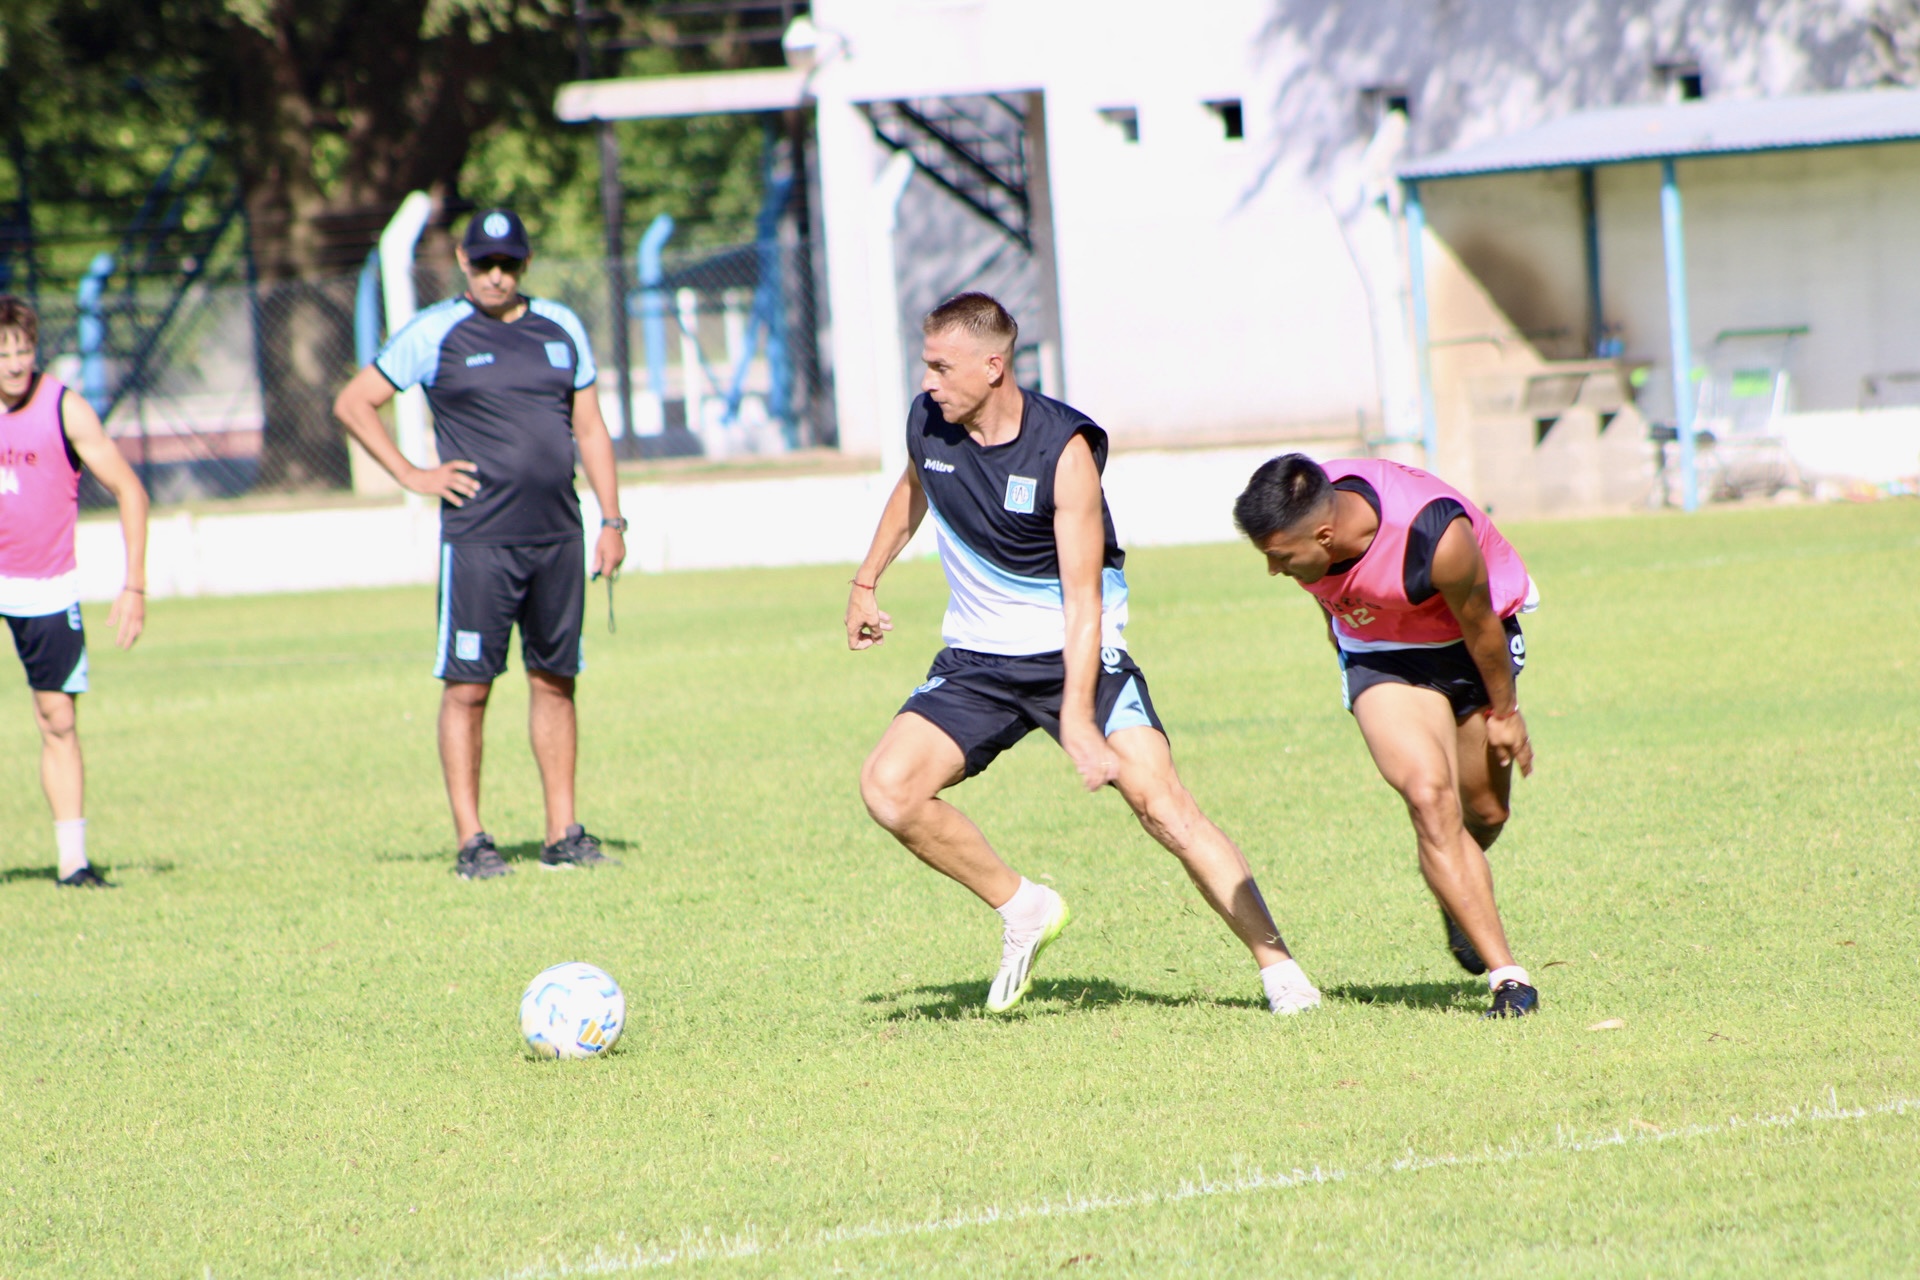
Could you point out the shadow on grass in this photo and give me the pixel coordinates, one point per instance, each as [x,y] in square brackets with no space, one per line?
[519,851]
[18,875]
[1415,995]
[951,1001]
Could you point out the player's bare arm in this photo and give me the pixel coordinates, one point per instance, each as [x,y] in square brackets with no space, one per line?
[1460,575]
[1080,539]
[358,408]
[102,457]
[867,624]
[603,476]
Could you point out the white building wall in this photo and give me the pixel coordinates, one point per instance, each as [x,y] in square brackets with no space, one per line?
[1199,299]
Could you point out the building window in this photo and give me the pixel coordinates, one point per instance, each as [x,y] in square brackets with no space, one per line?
[1125,119]
[1377,102]
[1680,81]
[1233,121]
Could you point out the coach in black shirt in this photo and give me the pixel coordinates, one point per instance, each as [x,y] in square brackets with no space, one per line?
[510,380]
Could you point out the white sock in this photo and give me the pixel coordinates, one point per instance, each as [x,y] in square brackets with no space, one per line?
[1284,978]
[1027,909]
[71,839]
[1507,973]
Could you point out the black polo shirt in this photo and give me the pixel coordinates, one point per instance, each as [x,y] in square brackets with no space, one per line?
[502,399]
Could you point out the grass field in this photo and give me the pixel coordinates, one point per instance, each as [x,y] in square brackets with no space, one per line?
[287,1045]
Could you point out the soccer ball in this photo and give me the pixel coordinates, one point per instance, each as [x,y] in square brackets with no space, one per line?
[572,1010]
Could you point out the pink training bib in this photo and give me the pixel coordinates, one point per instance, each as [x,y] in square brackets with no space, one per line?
[39,487]
[1369,603]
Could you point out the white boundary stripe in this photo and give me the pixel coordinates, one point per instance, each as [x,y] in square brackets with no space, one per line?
[446,610]
[706,1246]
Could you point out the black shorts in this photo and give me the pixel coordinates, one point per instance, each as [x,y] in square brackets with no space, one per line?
[484,591]
[987,702]
[1449,670]
[53,649]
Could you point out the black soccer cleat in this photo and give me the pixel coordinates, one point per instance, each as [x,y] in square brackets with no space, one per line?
[1462,946]
[85,878]
[479,860]
[575,849]
[1513,999]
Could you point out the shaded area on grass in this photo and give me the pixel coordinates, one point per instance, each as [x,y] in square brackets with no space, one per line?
[518,851]
[20,875]
[948,1001]
[1453,994]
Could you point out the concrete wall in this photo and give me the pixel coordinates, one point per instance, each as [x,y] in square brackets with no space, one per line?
[1157,499]
[1197,300]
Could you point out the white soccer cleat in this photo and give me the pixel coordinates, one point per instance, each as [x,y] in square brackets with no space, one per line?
[1295,998]
[1018,954]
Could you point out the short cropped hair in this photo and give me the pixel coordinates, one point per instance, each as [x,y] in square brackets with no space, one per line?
[17,313]
[979,314]
[1282,493]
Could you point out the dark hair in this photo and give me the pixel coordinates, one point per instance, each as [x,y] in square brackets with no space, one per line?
[1282,493]
[979,314]
[17,313]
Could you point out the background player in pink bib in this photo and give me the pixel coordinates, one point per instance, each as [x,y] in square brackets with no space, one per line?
[1422,597]
[47,434]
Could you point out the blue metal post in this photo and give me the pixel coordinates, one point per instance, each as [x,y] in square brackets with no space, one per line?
[653,302]
[367,315]
[93,334]
[1422,348]
[1678,331]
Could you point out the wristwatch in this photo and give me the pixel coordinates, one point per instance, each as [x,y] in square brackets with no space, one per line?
[618,524]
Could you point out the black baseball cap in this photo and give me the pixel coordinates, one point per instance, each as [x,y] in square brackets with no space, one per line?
[496,233]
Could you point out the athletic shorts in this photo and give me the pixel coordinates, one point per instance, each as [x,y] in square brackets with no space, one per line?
[1449,670]
[485,591]
[986,702]
[53,649]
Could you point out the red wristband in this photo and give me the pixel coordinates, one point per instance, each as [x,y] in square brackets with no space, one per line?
[1494,715]
[865,586]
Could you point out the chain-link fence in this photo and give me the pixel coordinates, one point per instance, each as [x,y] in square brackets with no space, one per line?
[225,388]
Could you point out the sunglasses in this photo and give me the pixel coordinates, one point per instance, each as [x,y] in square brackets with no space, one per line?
[509,266]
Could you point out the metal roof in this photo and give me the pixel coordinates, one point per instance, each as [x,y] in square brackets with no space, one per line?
[1671,131]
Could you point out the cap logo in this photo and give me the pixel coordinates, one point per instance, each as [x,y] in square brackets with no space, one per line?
[496,225]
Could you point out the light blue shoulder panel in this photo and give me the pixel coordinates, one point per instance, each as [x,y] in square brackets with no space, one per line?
[413,354]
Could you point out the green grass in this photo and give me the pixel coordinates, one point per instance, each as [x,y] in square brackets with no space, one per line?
[287,1045]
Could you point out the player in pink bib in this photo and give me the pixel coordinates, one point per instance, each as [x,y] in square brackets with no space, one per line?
[1422,597]
[47,434]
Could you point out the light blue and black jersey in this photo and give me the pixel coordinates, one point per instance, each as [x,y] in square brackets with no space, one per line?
[502,398]
[992,508]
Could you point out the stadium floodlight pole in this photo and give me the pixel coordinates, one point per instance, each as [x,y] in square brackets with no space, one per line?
[1678,332]
[1422,344]
[397,244]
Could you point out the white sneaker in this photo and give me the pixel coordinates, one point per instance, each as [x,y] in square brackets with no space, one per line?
[1294,999]
[1018,953]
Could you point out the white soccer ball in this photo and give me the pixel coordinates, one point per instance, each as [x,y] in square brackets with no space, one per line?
[572,1010]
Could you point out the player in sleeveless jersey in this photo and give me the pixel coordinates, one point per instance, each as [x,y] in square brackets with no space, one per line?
[1034,639]
[1422,596]
[511,383]
[47,434]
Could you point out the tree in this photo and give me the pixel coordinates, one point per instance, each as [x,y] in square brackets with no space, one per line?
[326,113]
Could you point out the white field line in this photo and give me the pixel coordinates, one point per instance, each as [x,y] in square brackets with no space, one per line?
[708,1245]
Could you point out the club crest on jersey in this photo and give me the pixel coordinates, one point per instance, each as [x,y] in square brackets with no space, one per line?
[1020,491]
[559,355]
